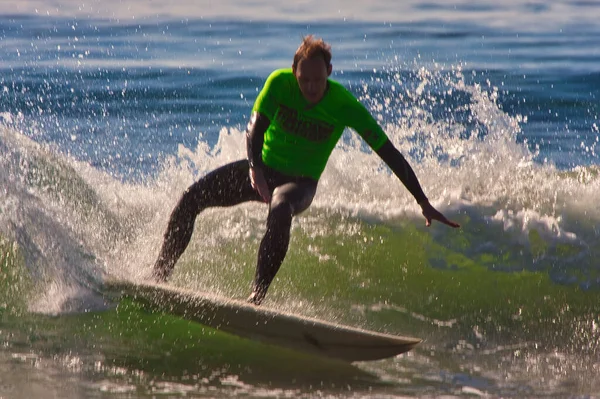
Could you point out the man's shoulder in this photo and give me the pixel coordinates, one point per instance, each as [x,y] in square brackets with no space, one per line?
[282,73]
[340,92]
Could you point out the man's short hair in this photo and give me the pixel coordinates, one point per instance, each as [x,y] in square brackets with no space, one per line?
[310,48]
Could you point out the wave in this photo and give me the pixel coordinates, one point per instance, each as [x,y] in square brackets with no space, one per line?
[464,150]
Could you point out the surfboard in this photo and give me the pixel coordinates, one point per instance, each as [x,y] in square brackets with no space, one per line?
[263,324]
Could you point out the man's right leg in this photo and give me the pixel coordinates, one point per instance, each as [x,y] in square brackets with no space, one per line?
[226,186]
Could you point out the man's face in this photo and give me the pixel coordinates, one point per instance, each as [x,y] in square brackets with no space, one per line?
[312,77]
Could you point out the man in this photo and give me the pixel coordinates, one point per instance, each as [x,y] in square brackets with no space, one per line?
[296,122]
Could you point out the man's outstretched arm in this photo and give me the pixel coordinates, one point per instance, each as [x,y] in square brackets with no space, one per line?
[401,168]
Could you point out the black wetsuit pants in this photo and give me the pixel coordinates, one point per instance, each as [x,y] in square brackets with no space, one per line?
[227,186]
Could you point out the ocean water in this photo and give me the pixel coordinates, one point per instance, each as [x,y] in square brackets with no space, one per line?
[110,110]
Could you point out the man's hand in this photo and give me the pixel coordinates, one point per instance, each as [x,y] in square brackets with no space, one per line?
[257,178]
[431,213]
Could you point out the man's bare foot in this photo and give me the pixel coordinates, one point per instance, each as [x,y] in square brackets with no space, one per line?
[256,298]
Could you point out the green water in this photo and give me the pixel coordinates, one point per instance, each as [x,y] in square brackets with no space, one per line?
[484,326]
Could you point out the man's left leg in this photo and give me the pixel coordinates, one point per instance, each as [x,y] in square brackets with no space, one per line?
[288,200]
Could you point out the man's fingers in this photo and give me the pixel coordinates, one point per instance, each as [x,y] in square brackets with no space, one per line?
[453,224]
[263,191]
[265,195]
[448,222]
[436,215]
[258,182]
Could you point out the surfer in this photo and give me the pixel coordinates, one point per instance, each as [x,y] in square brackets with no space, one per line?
[296,121]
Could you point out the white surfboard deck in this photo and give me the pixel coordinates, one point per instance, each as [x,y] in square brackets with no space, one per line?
[266,325]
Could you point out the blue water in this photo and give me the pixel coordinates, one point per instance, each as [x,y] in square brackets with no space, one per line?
[109,111]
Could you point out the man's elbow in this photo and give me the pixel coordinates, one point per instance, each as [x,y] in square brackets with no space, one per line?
[258,123]
[387,150]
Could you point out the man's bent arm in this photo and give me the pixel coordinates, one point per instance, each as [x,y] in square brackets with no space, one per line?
[398,164]
[255,137]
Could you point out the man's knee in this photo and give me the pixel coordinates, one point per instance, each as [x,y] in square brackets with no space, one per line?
[281,213]
[298,196]
[191,202]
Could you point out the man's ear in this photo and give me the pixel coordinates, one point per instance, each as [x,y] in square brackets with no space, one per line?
[329,69]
